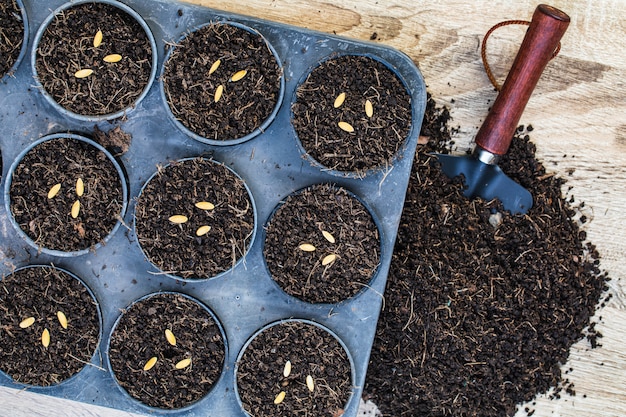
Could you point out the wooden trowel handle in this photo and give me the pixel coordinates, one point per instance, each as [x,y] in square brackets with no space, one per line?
[542,38]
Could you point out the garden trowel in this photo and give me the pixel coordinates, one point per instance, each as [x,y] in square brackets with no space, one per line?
[483,177]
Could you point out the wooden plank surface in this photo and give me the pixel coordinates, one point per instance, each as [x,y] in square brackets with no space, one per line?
[578,112]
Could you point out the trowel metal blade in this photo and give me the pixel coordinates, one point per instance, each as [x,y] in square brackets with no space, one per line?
[487,181]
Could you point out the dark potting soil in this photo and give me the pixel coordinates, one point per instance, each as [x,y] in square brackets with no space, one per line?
[343,245]
[140,336]
[67,46]
[41,293]
[310,351]
[481,307]
[49,221]
[376,137]
[204,62]
[183,249]
[11,34]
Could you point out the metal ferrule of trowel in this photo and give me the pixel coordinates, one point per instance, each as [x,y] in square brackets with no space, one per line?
[482,176]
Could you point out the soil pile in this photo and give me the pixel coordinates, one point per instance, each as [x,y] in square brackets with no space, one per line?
[481,307]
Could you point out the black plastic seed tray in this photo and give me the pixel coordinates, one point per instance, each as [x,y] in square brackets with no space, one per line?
[273,166]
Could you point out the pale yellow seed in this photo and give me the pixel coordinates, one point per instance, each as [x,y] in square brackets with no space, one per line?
[170,337]
[205,205]
[215,66]
[112,58]
[54,190]
[83,73]
[218,93]
[203,230]
[339,100]
[328,236]
[45,338]
[80,187]
[280,397]
[75,209]
[150,364]
[27,322]
[369,108]
[62,319]
[345,126]
[307,247]
[238,75]
[309,383]
[287,369]
[183,364]
[328,259]
[178,219]
[97,40]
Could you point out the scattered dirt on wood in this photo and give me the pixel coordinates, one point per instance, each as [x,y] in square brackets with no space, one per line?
[481,307]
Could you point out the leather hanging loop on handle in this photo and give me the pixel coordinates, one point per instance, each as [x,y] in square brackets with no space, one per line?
[546,29]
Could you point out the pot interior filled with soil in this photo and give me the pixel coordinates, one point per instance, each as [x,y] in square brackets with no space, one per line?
[66,194]
[94,60]
[322,245]
[50,325]
[194,219]
[352,114]
[222,83]
[13,35]
[294,368]
[167,351]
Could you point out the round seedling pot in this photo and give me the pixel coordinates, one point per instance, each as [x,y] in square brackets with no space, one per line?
[195,219]
[322,245]
[223,83]
[167,351]
[15,27]
[294,367]
[352,115]
[66,195]
[51,325]
[94,60]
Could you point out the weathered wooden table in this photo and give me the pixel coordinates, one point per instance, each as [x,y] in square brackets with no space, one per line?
[578,112]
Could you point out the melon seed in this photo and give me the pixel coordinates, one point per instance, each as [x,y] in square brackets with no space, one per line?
[345,126]
[369,109]
[75,209]
[203,230]
[178,219]
[328,236]
[150,364]
[80,187]
[83,73]
[183,364]
[27,322]
[307,247]
[339,100]
[215,66]
[112,58]
[62,319]
[97,40]
[309,383]
[238,75]
[205,205]
[45,338]
[280,397]
[170,337]
[328,259]
[54,190]
[218,93]
[287,369]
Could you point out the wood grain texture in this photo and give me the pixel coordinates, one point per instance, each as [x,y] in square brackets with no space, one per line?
[578,111]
